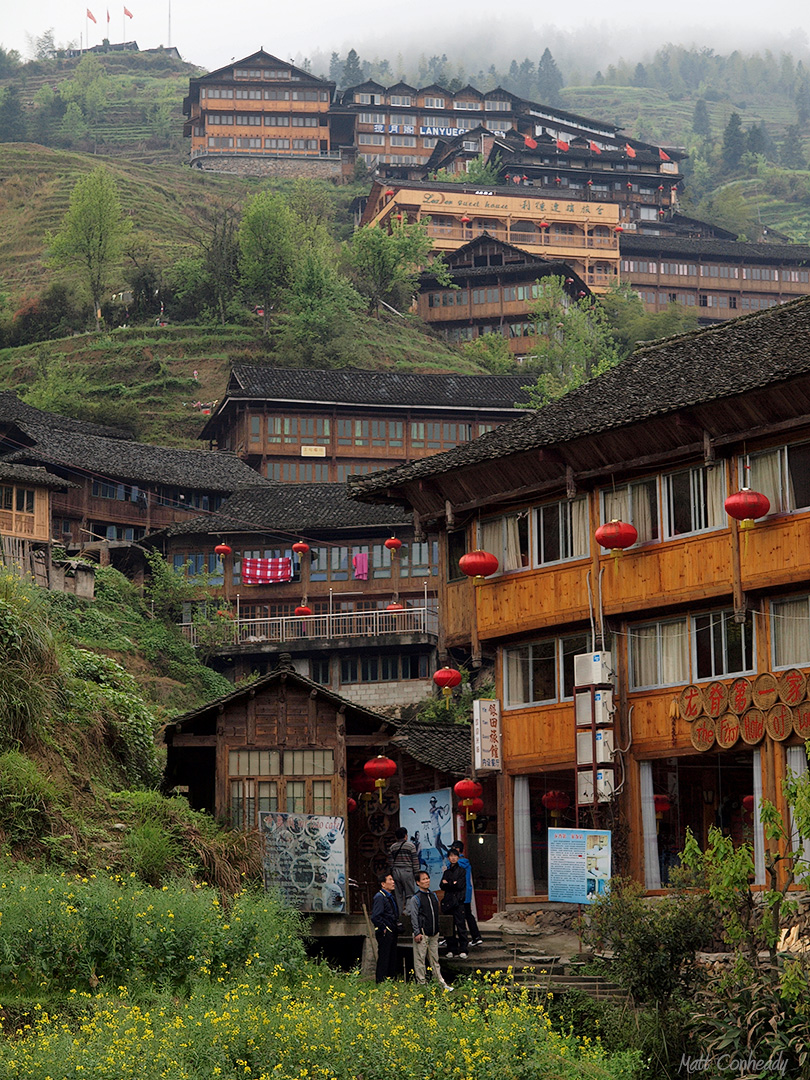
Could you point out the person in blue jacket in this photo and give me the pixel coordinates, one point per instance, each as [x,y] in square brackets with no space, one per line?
[472,925]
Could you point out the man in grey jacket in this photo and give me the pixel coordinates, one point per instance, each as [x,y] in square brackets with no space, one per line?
[423,909]
[404,867]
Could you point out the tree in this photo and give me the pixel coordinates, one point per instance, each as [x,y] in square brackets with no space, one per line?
[630,323]
[549,79]
[335,68]
[575,343]
[91,235]
[267,248]
[352,72]
[211,280]
[701,124]
[733,142]
[319,323]
[12,119]
[792,155]
[385,265]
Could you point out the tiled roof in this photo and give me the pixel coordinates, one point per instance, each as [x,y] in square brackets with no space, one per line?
[141,463]
[795,254]
[445,747]
[31,474]
[375,387]
[291,508]
[745,354]
[12,410]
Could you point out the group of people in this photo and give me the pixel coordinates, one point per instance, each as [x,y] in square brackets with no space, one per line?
[405,890]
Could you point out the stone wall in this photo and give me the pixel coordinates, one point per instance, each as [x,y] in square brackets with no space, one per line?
[314,168]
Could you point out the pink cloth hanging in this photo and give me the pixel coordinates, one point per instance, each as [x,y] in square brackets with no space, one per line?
[360,564]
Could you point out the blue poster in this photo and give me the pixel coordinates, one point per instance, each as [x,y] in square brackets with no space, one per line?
[428,817]
[578,865]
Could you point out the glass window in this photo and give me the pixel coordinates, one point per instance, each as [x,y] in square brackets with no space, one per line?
[790,632]
[561,531]
[456,548]
[723,646]
[322,797]
[694,500]
[783,475]
[296,791]
[508,539]
[309,762]
[659,654]
[530,674]
[318,563]
[339,564]
[419,559]
[319,670]
[636,504]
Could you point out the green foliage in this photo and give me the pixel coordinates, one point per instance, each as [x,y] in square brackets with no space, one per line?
[385,265]
[652,944]
[268,248]
[319,326]
[456,709]
[27,799]
[479,172]
[491,351]
[630,323]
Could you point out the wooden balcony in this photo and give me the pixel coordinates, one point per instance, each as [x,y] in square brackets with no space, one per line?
[533,599]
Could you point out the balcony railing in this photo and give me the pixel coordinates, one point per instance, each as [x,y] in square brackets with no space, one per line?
[345,624]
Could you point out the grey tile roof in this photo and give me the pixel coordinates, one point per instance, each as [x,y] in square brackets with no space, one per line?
[745,354]
[32,474]
[794,254]
[291,508]
[445,747]
[375,387]
[12,410]
[141,463]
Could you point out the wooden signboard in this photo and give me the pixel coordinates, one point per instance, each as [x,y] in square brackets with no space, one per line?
[779,722]
[801,720]
[691,703]
[752,726]
[727,730]
[715,699]
[765,690]
[792,686]
[703,733]
[740,695]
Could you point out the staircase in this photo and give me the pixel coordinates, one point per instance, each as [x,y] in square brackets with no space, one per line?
[531,966]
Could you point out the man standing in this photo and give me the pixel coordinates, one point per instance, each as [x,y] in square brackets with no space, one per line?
[385,917]
[472,925]
[404,867]
[424,912]
[454,883]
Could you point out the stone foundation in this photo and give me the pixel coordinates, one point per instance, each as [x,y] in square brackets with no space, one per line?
[340,170]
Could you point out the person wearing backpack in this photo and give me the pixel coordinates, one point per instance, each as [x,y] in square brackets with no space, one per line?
[404,867]
[424,914]
[454,883]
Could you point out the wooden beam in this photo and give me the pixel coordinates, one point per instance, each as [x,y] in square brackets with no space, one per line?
[194,740]
[368,740]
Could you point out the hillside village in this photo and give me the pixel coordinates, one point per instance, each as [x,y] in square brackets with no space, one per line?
[402,506]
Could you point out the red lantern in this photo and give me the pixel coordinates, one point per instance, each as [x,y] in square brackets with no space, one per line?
[479,791]
[222,550]
[393,544]
[351,805]
[555,801]
[475,808]
[465,220]
[389,193]
[465,789]
[748,804]
[362,784]
[478,564]
[303,609]
[618,228]
[616,536]
[746,506]
[394,606]
[380,768]
[544,225]
[662,805]
[446,678]
[300,548]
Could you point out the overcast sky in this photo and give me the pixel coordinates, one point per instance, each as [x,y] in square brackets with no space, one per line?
[210,34]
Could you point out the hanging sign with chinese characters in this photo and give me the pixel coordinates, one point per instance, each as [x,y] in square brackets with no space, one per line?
[487,734]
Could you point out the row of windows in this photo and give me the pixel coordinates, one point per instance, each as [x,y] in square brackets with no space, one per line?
[223,142]
[293,787]
[222,93]
[753,273]
[675,504]
[386,668]
[407,101]
[256,120]
[509,293]
[16,498]
[319,471]
[103,530]
[319,431]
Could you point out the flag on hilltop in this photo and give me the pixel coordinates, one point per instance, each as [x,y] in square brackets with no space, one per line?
[663,155]
[630,151]
[90,15]
[108,16]
[562,144]
[128,13]
[594,148]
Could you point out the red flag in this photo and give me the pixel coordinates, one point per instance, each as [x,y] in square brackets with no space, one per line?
[663,155]
[561,145]
[128,13]
[630,151]
[90,15]
[108,16]
[594,148]
[530,142]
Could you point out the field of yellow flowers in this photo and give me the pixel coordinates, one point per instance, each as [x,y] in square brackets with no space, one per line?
[187,990]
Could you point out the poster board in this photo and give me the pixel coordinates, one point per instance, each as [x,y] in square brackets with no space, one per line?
[578,864]
[304,858]
[428,817]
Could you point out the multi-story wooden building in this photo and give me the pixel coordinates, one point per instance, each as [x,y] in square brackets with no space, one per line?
[494,287]
[259,105]
[707,623]
[581,232]
[301,425]
[353,639]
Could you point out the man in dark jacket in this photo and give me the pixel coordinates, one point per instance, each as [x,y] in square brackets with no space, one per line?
[424,913]
[454,883]
[385,917]
[404,867]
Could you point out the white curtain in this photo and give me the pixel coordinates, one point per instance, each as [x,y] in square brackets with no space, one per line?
[517,676]
[644,510]
[797,764]
[790,627]
[491,534]
[644,655]
[759,834]
[580,534]
[652,868]
[511,555]
[763,476]
[715,479]
[524,872]
[674,653]
[617,505]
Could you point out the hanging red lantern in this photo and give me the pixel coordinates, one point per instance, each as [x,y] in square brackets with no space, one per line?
[555,801]
[618,228]
[616,536]
[479,791]
[394,606]
[303,609]
[475,808]
[478,564]
[389,193]
[465,220]
[351,805]
[557,179]
[746,506]
[393,544]
[748,804]
[222,550]
[544,225]
[465,789]
[362,784]
[662,805]
[300,548]
[380,769]
[446,678]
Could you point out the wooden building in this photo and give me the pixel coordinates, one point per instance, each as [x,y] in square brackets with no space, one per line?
[257,106]
[371,629]
[119,489]
[288,744]
[707,624]
[495,287]
[299,425]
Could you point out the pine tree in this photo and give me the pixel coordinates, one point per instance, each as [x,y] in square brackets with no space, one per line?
[12,119]
[352,72]
[701,124]
[734,142]
[549,79]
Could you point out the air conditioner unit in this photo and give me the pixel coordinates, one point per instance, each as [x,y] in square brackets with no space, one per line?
[604,785]
[593,669]
[604,746]
[602,707]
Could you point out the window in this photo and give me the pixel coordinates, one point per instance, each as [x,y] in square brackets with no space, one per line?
[371,118]
[276,95]
[790,632]
[468,106]
[723,646]
[249,144]
[370,140]
[277,144]
[276,120]
[384,668]
[783,475]
[636,504]
[305,144]
[543,671]
[659,654]
[561,531]
[319,670]
[305,121]
[252,793]
[419,559]
[433,103]
[694,500]
[403,140]
[24,500]
[508,539]
[248,119]
[315,429]
[401,100]
[497,105]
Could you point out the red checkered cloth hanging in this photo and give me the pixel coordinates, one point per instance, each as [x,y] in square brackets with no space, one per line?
[266,571]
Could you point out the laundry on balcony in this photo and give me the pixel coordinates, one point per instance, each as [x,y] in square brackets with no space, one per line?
[266,571]
[360,566]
